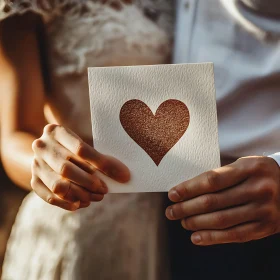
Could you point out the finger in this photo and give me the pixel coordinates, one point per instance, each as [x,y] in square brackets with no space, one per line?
[44,192]
[109,166]
[221,219]
[239,234]
[209,182]
[56,156]
[97,197]
[106,164]
[91,182]
[60,186]
[84,204]
[40,145]
[83,165]
[210,202]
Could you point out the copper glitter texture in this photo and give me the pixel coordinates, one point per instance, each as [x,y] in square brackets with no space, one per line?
[155,134]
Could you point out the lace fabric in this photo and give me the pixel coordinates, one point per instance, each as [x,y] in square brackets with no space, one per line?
[122,237]
[11,7]
[101,32]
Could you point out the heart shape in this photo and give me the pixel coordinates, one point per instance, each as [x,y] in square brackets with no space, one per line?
[155,134]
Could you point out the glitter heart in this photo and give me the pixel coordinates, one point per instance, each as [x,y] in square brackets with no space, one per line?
[155,134]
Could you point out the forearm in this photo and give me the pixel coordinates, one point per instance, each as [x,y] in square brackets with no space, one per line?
[17,156]
[22,95]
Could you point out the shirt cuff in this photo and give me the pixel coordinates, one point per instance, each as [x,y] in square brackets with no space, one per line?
[276,157]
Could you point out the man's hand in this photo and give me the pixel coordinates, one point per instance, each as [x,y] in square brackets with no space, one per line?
[236,203]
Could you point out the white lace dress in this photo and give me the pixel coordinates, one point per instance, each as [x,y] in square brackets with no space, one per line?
[123,237]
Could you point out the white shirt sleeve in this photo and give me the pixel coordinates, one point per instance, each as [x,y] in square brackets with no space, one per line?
[276,157]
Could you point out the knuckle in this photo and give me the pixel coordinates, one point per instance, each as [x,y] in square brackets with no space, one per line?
[210,237]
[248,191]
[57,186]
[34,182]
[258,165]
[50,128]
[80,150]
[232,235]
[242,161]
[63,169]
[267,190]
[177,210]
[212,179]
[34,165]
[189,224]
[220,220]
[236,236]
[182,190]
[243,164]
[208,202]
[38,144]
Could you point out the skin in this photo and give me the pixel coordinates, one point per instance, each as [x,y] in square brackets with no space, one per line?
[20,99]
[48,158]
[235,203]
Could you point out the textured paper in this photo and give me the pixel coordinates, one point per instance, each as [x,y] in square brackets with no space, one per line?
[196,151]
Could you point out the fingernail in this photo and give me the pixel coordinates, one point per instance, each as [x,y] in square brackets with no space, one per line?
[174,195]
[169,212]
[196,238]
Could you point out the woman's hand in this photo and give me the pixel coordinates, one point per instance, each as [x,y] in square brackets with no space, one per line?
[63,169]
[239,202]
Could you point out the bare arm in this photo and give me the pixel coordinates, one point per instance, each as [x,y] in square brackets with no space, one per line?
[58,165]
[22,96]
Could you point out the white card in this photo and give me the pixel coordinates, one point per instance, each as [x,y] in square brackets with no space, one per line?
[160,120]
